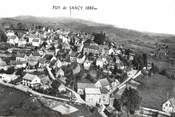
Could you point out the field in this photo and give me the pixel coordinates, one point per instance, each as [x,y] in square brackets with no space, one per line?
[16,103]
[155,90]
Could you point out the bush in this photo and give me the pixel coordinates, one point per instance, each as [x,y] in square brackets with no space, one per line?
[163,72]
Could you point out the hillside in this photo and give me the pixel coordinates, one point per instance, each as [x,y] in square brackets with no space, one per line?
[17,103]
[131,38]
[154,87]
[87,26]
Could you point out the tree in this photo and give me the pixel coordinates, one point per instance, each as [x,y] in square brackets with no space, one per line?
[20,71]
[3,37]
[145,59]
[10,70]
[99,38]
[20,26]
[131,100]
[117,104]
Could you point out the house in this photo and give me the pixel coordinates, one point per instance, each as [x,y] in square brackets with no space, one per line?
[92,96]
[103,83]
[111,51]
[121,66]
[42,63]
[18,64]
[131,57]
[81,87]
[36,42]
[58,63]
[73,56]
[60,72]
[62,88]
[12,38]
[31,80]
[105,98]
[99,62]
[36,54]
[33,59]
[117,60]
[76,68]
[22,43]
[53,59]
[41,52]
[91,49]
[115,83]
[3,64]
[66,46]
[131,73]
[47,56]
[8,77]
[109,111]
[104,49]
[21,57]
[169,106]
[63,79]
[45,82]
[87,64]
[81,60]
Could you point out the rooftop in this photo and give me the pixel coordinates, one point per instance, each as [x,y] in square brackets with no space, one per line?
[172,101]
[85,85]
[104,82]
[92,91]
[29,77]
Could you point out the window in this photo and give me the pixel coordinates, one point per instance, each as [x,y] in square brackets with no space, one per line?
[35,40]
[169,105]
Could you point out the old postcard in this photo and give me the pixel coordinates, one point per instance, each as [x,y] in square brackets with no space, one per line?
[87,58]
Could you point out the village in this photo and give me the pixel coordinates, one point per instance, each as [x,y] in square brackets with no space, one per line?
[79,67]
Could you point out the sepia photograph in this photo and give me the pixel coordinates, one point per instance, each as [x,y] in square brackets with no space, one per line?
[87,58]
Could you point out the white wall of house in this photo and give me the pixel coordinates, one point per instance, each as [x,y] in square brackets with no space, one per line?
[21,58]
[36,81]
[98,84]
[167,107]
[99,63]
[32,82]
[36,43]
[8,78]
[80,91]
[92,99]
[104,99]
[87,65]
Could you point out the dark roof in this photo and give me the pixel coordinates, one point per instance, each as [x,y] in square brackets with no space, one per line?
[85,85]
[48,56]
[104,90]
[20,55]
[36,54]
[95,47]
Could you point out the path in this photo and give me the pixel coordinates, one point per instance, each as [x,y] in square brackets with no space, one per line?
[133,76]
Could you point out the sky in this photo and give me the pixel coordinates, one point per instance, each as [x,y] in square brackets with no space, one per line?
[143,15]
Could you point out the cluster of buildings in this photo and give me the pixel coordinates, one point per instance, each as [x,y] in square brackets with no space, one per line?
[60,49]
[99,68]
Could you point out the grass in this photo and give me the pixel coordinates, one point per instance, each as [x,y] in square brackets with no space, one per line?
[17,103]
[156,90]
